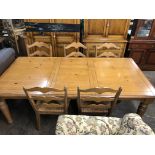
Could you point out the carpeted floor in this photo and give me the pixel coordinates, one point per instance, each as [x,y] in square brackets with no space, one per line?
[24,118]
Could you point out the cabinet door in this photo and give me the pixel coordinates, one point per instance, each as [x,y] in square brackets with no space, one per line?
[152,34]
[117,28]
[64,38]
[94,29]
[143,30]
[137,55]
[150,57]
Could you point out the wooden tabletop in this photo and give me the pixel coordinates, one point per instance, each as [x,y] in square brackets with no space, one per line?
[72,72]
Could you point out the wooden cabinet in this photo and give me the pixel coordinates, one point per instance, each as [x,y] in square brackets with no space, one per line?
[99,31]
[96,32]
[142,44]
[64,38]
[56,39]
[138,55]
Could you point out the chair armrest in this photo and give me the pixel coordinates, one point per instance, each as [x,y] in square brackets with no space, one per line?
[132,124]
[7,56]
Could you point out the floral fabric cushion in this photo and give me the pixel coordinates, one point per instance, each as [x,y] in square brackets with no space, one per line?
[132,124]
[87,125]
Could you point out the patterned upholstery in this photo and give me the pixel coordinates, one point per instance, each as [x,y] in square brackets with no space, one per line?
[96,125]
[132,124]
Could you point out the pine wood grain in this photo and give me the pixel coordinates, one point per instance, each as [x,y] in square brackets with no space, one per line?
[73,72]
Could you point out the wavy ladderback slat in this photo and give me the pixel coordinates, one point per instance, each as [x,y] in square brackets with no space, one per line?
[94,100]
[75,46]
[45,89]
[39,51]
[106,54]
[75,54]
[38,44]
[108,46]
[98,90]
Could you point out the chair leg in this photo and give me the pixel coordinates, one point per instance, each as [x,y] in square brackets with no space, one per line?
[37,121]
[5,110]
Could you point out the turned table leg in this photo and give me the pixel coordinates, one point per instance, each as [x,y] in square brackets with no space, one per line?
[5,110]
[143,106]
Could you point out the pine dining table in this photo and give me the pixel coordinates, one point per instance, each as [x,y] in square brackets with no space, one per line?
[58,72]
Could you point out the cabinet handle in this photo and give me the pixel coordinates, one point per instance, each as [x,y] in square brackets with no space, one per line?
[152,45]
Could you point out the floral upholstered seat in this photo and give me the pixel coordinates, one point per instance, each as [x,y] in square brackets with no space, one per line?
[132,124]
[97,125]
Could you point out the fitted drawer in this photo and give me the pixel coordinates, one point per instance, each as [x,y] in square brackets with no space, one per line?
[152,46]
[46,39]
[142,46]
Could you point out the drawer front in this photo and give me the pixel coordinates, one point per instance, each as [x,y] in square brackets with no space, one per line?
[138,46]
[142,46]
[46,39]
[151,46]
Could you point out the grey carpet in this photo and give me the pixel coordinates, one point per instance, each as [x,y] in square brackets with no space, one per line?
[24,118]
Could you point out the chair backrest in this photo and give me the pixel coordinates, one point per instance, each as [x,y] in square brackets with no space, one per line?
[43,49]
[76,52]
[109,53]
[46,95]
[98,95]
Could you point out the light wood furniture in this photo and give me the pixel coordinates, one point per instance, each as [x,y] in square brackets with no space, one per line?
[107,54]
[56,39]
[99,31]
[142,44]
[47,102]
[5,110]
[42,49]
[75,53]
[57,72]
[97,103]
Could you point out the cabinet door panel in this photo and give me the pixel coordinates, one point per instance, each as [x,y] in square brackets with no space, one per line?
[143,30]
[137,55]
[150,57]
[94,27]
[118,26]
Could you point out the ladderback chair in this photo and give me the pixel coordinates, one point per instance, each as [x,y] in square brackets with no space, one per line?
[76,52]
[97,100]
[47,101]
[42,49]
[106,54]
